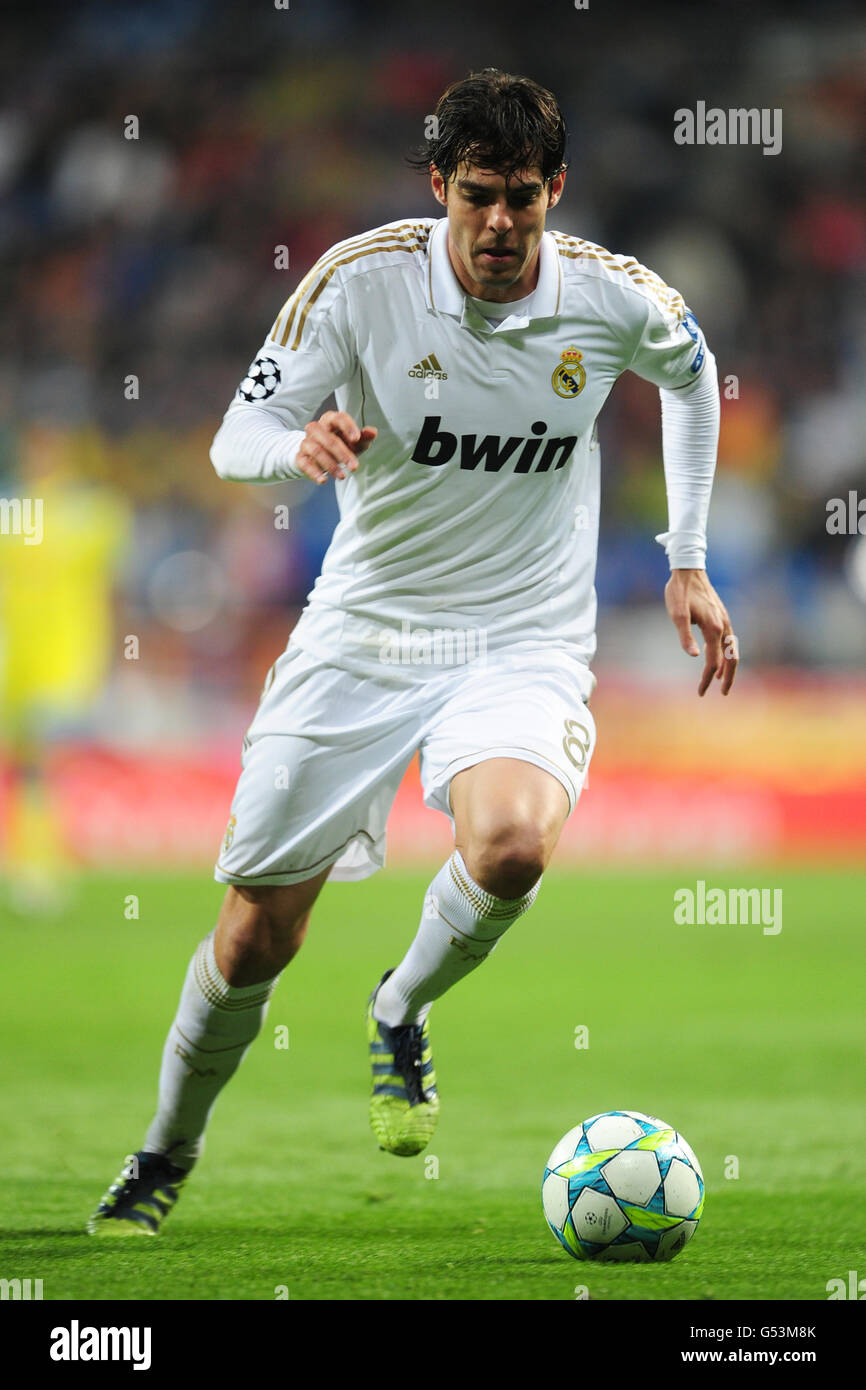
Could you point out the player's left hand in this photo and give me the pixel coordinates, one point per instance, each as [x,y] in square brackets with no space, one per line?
[691,598]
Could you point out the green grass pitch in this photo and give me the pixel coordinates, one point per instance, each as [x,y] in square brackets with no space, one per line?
[751,1044]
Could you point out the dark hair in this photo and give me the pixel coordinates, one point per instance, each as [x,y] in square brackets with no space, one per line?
[498,122]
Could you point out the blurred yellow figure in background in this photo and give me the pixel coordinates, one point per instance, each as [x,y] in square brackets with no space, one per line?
[60,542]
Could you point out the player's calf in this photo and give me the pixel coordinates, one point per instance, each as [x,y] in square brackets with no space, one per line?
[222,1007]
[261,929]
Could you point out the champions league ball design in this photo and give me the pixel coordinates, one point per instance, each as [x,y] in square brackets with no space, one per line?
[623,1186]
[261,380]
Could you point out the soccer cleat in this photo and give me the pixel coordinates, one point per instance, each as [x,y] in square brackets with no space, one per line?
[137,1205]
[404,1106]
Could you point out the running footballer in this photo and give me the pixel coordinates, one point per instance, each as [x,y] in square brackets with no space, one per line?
[470,354]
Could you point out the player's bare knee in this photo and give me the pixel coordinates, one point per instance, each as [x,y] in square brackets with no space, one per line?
[509,864]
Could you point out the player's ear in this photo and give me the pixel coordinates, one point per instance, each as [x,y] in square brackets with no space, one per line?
[437,183]
[555,187]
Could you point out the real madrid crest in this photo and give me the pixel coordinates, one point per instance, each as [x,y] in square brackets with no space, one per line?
[569,378]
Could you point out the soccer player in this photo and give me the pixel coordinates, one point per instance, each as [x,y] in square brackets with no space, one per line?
[455,612]
[57,574]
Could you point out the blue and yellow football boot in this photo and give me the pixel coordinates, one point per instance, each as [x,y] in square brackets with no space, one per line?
[140,1198]
[404,1106]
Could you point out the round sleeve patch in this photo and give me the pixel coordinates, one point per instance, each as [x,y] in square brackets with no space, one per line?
[261,380]
[693,328]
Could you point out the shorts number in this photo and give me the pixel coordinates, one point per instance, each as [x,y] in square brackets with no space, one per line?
[576,743]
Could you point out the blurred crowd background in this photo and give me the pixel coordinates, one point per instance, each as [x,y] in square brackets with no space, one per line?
[139,279]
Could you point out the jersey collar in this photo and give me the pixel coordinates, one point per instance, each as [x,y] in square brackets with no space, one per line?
[445,294]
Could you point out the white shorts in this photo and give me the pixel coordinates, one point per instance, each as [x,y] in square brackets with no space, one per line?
[326,753]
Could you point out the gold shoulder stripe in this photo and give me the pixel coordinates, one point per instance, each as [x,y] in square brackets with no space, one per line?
[408,247]
[405,232]
[396,232]
[668,298]
[570,240]
[346,260]
[399,233]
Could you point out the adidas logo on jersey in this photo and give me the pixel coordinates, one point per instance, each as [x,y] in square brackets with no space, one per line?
[428,368]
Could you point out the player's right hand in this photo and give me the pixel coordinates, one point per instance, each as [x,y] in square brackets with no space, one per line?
[332,445]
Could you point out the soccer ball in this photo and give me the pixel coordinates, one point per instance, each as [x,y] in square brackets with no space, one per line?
[261,380]
[623,1186]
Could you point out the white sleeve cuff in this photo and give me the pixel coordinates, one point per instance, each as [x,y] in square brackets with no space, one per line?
[253,446]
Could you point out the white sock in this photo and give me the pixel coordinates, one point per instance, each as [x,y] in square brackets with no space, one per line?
[460,926]
[215,1025]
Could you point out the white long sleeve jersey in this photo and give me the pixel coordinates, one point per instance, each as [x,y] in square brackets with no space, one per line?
[477,505]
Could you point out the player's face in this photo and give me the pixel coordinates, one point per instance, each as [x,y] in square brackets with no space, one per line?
[495,227]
